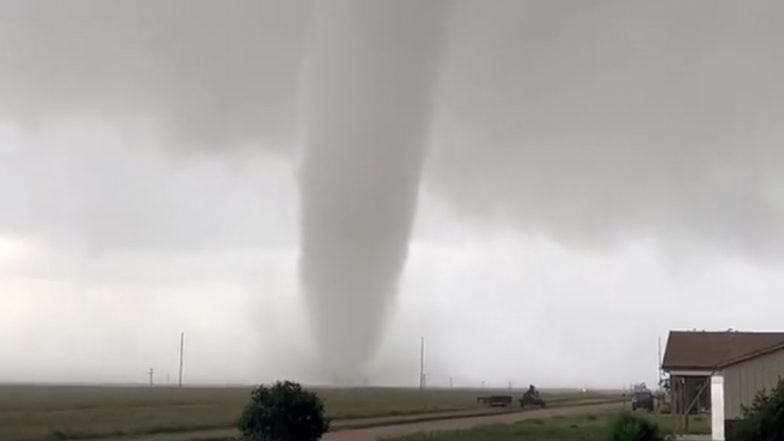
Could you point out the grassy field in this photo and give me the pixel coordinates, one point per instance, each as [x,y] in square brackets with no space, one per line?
[36,413]
[584,428]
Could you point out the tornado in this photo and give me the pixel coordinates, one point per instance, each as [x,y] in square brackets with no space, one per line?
[369,77]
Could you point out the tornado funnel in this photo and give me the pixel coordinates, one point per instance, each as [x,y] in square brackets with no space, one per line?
[369,79]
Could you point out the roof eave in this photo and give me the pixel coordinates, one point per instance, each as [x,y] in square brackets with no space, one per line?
[687,368]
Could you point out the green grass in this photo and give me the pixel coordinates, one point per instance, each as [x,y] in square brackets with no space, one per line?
[36,413]
[698,424]
[556,429]
[582,428]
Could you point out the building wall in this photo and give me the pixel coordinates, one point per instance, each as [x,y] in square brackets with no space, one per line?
[743,381]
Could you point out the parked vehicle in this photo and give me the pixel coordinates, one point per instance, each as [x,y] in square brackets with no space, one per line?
[643,399]
[496,400]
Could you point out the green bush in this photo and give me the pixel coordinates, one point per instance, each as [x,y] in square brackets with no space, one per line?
[283,412]
[764,420]
[628,427]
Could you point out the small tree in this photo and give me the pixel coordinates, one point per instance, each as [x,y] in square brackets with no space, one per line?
[628,427]
[283,412]
[764,420]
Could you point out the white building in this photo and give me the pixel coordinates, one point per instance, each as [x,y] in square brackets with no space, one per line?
[721,372]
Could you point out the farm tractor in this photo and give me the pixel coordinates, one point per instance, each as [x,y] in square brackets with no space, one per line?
[532,398]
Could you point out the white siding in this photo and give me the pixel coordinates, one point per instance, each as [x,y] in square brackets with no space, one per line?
[743,381]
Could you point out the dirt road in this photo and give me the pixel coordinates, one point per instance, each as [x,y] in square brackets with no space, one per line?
[376,433]
[379,432]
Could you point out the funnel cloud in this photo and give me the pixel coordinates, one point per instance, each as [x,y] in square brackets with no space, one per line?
[369,81]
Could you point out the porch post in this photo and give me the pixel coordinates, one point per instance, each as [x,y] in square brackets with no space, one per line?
[717,406]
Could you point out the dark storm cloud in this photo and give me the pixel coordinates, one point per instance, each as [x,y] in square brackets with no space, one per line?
[590,121]
[599,121]
[209,74]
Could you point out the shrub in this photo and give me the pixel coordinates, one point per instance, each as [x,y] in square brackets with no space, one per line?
[629,427]
[283,412]
[764,420]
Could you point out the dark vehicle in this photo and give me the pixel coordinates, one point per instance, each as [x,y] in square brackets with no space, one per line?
[643,399]
[532,398]
[496,400]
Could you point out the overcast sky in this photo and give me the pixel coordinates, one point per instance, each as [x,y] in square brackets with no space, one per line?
[591,175]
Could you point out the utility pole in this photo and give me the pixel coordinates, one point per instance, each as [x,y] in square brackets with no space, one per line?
[422,384]
[151,373]
[451,382]
[182,350]
[659,367]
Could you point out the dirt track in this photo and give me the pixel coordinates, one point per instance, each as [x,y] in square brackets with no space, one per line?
[379,432]
[376,433]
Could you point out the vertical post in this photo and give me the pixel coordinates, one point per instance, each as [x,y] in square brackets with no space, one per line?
[675,403]
[660,386]
[151,376]
[685,397]
[451,382]
[182,350]
[682,390]
[717,407]
[660,363]
[422,363]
